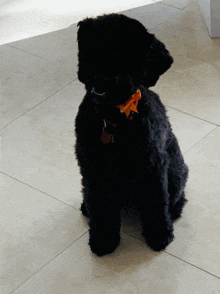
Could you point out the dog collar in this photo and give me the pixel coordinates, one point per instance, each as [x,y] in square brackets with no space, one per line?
[94,92]
[130,105]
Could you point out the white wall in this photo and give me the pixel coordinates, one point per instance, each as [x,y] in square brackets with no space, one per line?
[215,18]
[22,19]
[210,9]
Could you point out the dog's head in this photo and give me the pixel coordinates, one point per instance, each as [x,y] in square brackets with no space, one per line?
[117,54]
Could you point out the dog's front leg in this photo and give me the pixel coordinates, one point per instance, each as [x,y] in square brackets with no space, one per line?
[155,217]
[104,233]
[157,226]
[104,221]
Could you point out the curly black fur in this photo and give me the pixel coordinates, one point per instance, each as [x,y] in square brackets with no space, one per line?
[144,166]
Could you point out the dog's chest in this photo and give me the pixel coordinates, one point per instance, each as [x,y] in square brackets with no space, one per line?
[120,145]
[111,135]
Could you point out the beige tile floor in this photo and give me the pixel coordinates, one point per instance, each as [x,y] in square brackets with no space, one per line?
[44,238]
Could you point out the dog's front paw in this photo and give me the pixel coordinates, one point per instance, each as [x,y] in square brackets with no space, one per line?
[159,242]
[102,246]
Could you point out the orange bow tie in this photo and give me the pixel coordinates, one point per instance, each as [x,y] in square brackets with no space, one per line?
[129,104]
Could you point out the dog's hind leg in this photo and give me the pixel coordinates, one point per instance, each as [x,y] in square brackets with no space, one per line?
[177,177]
[176,209]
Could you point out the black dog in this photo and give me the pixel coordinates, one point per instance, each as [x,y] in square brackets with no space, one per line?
[126,151]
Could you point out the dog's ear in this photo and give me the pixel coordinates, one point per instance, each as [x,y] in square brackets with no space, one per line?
[85,23]
[84,41]
[158,61]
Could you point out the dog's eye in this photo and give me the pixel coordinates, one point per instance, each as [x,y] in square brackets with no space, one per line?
[94,92]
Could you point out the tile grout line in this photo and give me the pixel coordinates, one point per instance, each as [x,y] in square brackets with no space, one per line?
[171,5]
[22,50]
[192,264]
[125,234]
[200,140]
[192,115]
[1,172]
[184,26]
[161,2]
[164,251]
[49,262]
[38,104]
